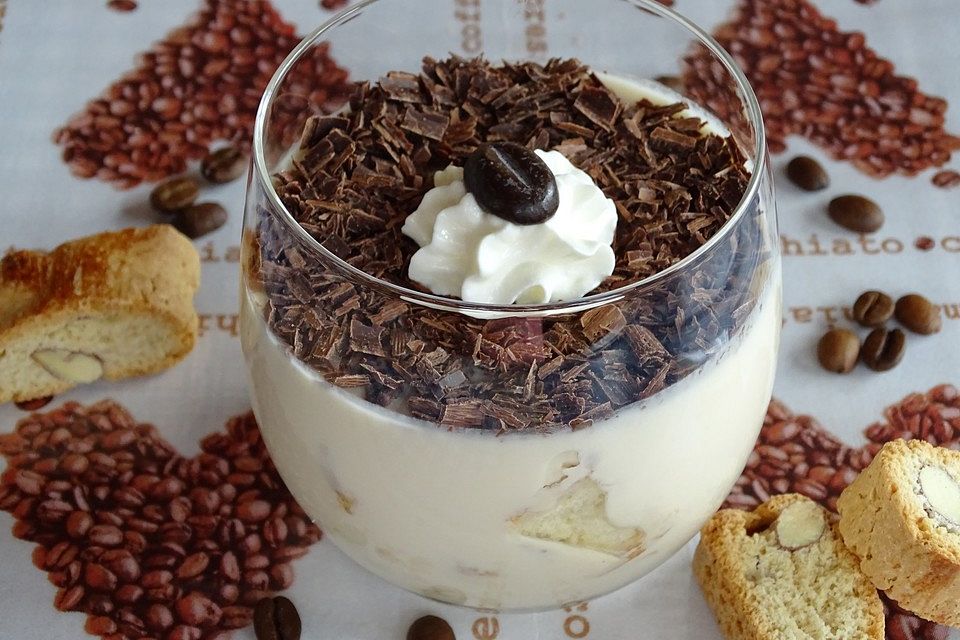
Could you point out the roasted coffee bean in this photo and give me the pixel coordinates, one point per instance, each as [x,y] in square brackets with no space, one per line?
[105,535]
[174,194]
[123,6]
[430,628]
[200,219]
[256,580]
[856,213]
[33,405]
[122,563]
[167,489]
[946,179]
[872,308]
[229,567]
[129,594]
[193,565]
[159,617]
[253,511]
[256,561]
[236,617]
[883,350]
[100,626]
[157,578]
[281,576]
[99,577]
[53,511]
[99,604]
[185,632]
[223,165]
[198,610]
[67,599]
[807,173]
[276,619]
[918,314]
[837,350]
[510,181]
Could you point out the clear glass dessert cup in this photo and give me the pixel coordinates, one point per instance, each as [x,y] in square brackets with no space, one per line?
[522,456]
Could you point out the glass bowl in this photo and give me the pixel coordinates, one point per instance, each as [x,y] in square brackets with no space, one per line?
[522,456]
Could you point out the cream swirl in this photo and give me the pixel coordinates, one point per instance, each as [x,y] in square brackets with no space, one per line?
[479,257]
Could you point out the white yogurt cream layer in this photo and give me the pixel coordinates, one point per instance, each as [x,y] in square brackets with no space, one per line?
[431,510]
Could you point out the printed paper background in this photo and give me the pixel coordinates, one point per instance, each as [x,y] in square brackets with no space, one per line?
[891,111]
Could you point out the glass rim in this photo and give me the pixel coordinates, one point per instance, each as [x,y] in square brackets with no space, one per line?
[444,303]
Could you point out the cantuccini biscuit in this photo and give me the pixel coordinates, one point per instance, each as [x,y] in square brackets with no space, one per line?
[112,305]
[901,516]
[781,572]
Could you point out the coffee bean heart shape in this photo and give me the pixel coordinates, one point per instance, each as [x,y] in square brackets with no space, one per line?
[146,542]
[200,84]
[816,81]
[795,454]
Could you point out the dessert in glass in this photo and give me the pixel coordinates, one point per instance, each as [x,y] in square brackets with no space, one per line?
[511,320]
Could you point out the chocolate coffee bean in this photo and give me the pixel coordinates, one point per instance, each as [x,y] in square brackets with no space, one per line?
[838,350]
[276,619]
[872,308]
[223,165]
[883,350]
[174,194]
[807,173]
[918,314]
[430,628]
[856,213]
[510,181]
[200,219]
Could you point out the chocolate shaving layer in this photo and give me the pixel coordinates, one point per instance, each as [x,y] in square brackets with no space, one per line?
[359,174]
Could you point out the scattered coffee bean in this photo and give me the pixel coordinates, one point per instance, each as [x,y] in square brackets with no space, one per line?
[276,619]
[511,182]
[918,314]
[122,5]
[856,213]
[200,219]
[838,350]
[174,194]
[872,308]
[807,173]
[223,165]
[33,405]
[430,628]
[947,179]
[883,350]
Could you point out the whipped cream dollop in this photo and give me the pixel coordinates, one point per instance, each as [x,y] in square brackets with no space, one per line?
[479,257]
